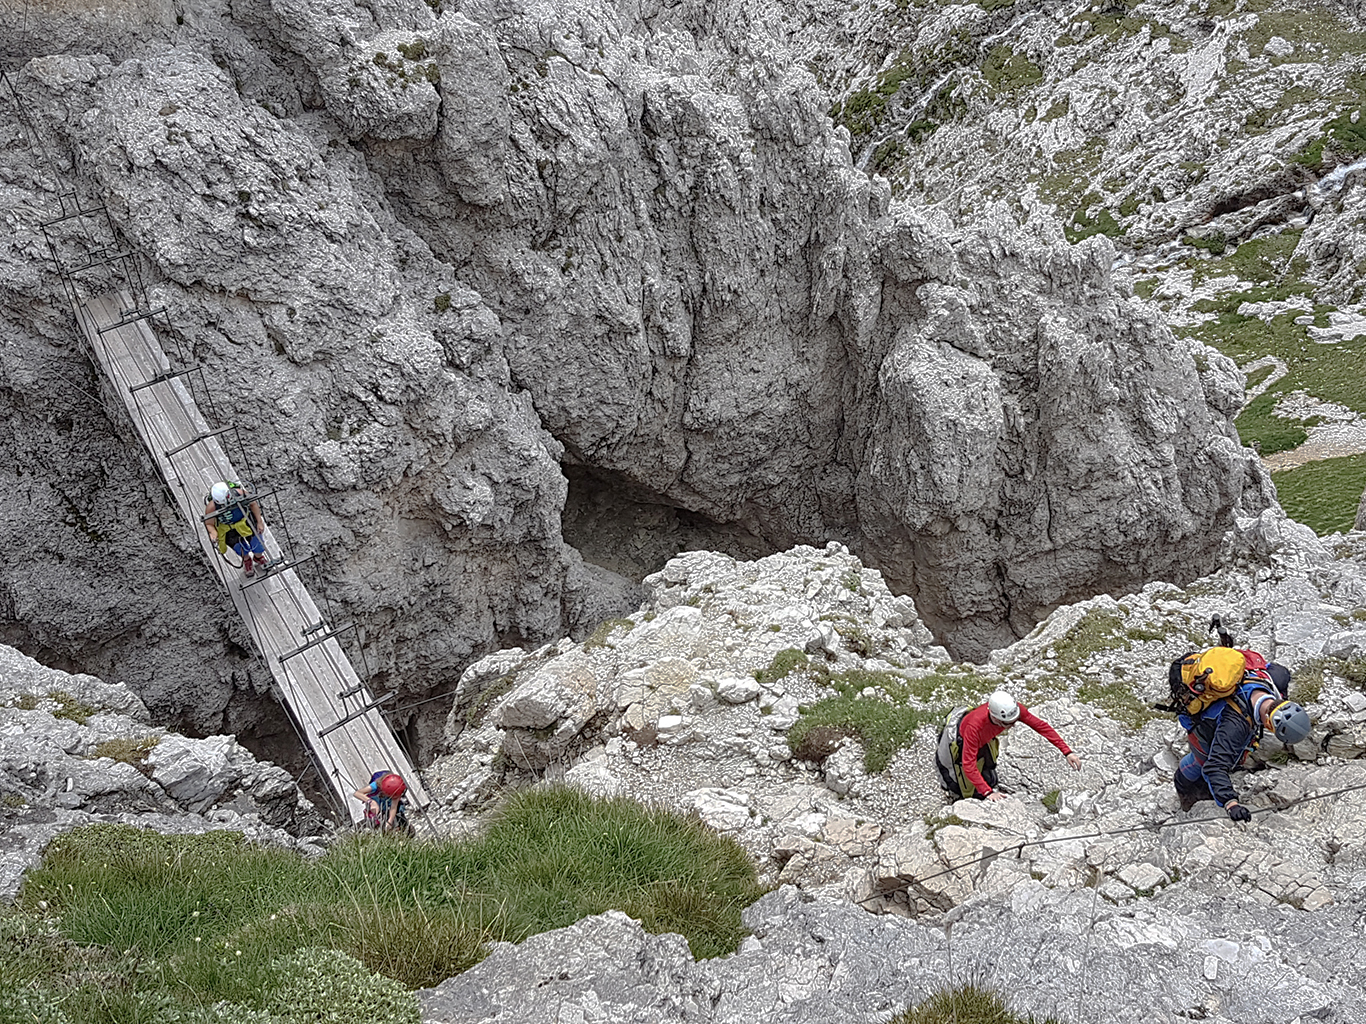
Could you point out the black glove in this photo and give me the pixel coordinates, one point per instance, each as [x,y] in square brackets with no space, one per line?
[1239,813]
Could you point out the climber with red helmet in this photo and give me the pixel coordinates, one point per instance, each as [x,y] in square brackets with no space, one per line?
[385,807]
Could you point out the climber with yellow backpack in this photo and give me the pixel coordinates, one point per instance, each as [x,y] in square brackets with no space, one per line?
[232,516]
[1226,698]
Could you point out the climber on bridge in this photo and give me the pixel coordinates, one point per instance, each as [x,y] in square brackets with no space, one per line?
[385,808]
[1226,699]
[969,745]
[226,509]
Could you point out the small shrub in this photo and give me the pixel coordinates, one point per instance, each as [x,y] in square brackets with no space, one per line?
[442,302]
[1214,244]
[128,750]
[819,742]
[786,661]
[969,1004]
[1050,800]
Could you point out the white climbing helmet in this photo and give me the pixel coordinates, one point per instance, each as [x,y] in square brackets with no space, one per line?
[1002,709]
[219,493]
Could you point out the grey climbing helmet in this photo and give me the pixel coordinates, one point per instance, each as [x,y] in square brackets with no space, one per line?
[1290,723]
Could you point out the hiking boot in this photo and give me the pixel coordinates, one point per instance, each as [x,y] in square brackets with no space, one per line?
[260,561]
[248,568]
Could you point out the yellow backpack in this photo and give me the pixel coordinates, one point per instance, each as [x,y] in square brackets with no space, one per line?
[1211,675]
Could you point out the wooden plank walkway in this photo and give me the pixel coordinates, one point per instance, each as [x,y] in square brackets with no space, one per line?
[277,607]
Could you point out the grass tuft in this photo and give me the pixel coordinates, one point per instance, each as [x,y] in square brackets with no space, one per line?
[129,750]
[1324,495]
[784,663]
[600,635]
[882,709]
[968,1004]
[124,925]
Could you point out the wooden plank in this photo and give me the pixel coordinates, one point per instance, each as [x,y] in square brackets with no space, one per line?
[277,609]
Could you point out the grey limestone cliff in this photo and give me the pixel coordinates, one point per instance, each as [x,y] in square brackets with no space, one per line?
[430,256]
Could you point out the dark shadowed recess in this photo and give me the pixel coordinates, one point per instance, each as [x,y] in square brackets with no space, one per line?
[631,530]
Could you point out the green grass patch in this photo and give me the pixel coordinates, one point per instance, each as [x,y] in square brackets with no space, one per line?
[124,920]
[1008,71]
[489,696]
[1323,495]
[1271,433]
[128,749]
[62,705]
[1119,701]
[786,661]
[1215,243]
[1051,799]
[863,110]
[1331,37]
[1331,373]
[1340,135]
[1058,109]
[599,636]
[1306,682]
[886,720]
[1094,632]
[968,1004]
[1261,261]
[1081,226]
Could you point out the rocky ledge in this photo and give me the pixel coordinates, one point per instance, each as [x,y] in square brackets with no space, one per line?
[75,750]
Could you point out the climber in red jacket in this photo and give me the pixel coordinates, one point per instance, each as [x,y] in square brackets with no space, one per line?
[969,745]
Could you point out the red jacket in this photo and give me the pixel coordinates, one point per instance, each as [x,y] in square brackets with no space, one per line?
[977,730]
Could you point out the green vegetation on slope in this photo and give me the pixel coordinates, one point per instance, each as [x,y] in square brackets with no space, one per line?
[1332,373]
[1323,495]
[120,925]
[970,1004]
[883,709]
[1006,71]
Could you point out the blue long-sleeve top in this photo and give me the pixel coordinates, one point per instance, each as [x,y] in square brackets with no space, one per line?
[1228,730]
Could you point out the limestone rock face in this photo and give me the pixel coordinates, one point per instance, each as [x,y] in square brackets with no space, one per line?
[426,259]
[818,960]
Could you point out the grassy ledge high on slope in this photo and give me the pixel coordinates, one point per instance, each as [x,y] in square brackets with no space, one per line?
[125,926]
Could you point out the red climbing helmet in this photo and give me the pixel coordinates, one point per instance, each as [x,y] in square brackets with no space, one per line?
[393,786]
